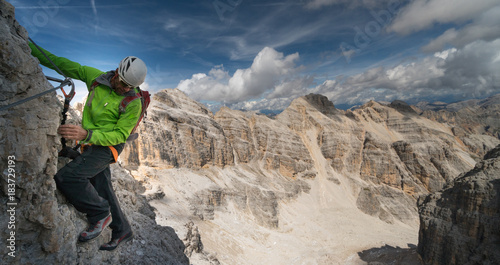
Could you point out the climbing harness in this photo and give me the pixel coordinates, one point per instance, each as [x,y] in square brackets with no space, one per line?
[67,98]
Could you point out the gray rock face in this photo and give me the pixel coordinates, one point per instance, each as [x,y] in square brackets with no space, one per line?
[321,103]
[338,137]
[470,120]
[387,146]
[43,227]
[460,224]
[259,138]
[178,132]
[193,240]
[409,146]
[255,193]
[395,152]
[402,106]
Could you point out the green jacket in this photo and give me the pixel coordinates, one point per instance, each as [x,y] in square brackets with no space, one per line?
[102,119]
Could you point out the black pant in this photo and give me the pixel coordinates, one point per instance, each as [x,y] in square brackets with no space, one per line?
[86,183]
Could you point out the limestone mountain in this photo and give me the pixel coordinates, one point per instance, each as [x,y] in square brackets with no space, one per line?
[179,132]
[476,117]
[375,160]
[460,224]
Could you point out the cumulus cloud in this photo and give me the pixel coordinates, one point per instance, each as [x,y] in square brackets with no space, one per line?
[272,81]
[422,14]
[267,76]
[473,69]
[455,74]
[290,88]
[263,104]
[484,27]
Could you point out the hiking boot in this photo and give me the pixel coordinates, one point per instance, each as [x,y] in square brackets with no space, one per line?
[113,244]
[94,230]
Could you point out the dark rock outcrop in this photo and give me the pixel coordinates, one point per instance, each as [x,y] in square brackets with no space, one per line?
[402,106]
[461,224]
[321,103]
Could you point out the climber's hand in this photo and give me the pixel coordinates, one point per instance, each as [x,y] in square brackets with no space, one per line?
[73,132]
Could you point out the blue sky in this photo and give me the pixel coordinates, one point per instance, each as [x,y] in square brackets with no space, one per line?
[262,54]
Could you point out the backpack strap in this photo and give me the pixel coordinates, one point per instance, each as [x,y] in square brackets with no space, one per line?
[94,85]
[92,91]
[127,100]
[143,96]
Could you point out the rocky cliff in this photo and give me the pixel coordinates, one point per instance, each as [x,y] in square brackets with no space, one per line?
[37,225]
[470,120]
[179,132]
[376,160]
[460,224]
[375,143]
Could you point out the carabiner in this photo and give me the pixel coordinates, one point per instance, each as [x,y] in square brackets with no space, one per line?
[72,92]
[66,82]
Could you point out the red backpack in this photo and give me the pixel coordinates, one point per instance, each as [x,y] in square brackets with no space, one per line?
[144,96]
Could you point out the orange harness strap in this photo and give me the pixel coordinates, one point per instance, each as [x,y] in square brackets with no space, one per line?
[115,153]
[84,147]
[113,150]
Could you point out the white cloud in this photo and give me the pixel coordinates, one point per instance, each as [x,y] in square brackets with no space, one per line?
[474,68]
[172,25]
[270,104]
[291,88]
[272,81]
[267,74]
[422,14]
[445,54]
[484,27]
[274,28]
[145,86]
[457,74]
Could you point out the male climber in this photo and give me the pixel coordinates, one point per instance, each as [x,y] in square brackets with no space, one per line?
[86,180]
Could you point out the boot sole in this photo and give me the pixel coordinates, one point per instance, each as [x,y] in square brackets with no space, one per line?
[91,239]
[125,240]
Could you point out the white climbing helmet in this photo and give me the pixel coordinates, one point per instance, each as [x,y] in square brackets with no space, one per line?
[132,71]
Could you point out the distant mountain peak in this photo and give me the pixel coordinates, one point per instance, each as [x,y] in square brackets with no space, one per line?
[402,106]
[319,102]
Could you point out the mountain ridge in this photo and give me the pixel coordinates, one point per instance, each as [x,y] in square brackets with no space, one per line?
[380,157]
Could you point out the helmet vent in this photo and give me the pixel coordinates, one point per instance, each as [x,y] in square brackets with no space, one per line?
[132,70]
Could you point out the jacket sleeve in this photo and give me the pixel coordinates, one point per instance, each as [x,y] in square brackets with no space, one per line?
[125,124]
[71,69]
